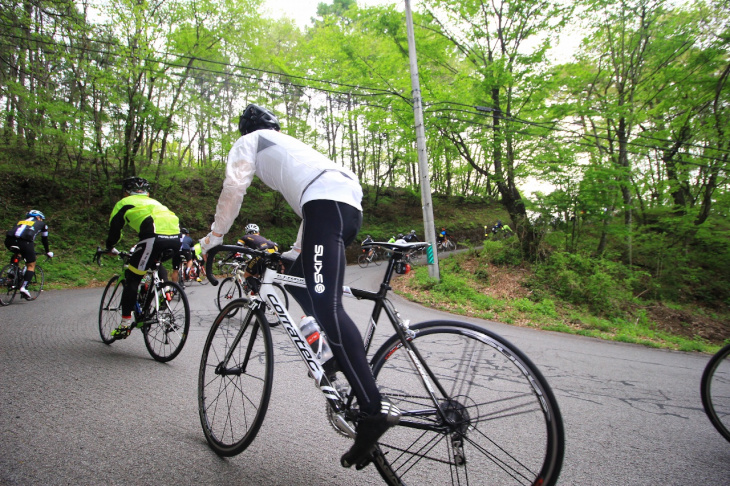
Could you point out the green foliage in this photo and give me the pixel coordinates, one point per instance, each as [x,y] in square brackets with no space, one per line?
[502,252]
[604,286]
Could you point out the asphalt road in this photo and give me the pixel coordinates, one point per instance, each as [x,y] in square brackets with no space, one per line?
[76,411]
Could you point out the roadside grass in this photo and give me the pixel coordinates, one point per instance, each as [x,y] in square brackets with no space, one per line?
[462,291]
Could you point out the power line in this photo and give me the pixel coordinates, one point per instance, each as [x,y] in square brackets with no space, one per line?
[366,91]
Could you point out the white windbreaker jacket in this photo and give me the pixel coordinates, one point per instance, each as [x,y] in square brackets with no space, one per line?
[287,165]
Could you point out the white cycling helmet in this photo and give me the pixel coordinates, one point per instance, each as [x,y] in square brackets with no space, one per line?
[252,228]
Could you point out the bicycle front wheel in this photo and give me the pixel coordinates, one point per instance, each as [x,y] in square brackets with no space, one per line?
[234,381]
[35,286]
[494,419]
[110,309]
[715,391]
[8,284]
[166,331]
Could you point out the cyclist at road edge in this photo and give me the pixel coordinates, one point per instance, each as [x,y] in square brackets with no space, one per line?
[23,236]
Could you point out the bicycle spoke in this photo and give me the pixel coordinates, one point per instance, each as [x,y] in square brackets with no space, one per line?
[234,383]
[492,424]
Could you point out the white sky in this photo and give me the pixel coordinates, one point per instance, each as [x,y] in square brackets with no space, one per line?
[303,10]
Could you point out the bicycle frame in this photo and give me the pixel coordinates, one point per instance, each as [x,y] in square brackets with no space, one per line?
[381,303]
[152,274]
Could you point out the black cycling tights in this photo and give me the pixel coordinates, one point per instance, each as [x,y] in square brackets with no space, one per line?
[144,256]
[329,226]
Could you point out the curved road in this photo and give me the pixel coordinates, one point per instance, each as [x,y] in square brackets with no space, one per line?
[75,411]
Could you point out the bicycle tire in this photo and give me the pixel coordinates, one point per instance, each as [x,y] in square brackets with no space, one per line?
[181,276]
[363,261]
[110,309]
[504,423]
[271,317]
[715,391]
[166,333]
[35,286]
[8,284]
[377,259]
[228,290]
[232,401]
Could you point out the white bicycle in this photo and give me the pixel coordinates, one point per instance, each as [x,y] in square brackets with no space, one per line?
[474,408]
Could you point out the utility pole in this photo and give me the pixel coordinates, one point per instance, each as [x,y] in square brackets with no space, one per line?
[426,201]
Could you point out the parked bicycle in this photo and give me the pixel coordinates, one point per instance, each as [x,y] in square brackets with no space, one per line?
[162,311]
[715,391]
[11,279]
[370,255]
[237,287]
[474,407]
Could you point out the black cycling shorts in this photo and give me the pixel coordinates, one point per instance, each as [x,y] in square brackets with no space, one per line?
[27,248]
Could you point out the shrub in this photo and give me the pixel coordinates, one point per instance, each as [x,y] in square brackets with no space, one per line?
[602,285]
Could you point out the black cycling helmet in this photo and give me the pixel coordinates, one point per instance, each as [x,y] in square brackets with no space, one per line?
[136,185]
[184,231]
[257,118]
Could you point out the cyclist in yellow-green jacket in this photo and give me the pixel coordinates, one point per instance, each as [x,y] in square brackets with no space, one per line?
[159,230]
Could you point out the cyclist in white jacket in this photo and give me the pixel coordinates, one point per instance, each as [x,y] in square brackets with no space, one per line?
[327,197]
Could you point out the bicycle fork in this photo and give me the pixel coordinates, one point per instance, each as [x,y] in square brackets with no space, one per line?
[449,411]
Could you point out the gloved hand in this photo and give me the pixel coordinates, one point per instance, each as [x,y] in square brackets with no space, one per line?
[113,251]
[292,254]
[209,242]
[49,254]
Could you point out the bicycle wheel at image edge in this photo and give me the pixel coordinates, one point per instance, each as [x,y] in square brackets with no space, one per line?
[110,309]
[233,396]
[166,332]
[499,421]
[8,286]
[715,391]
[35,286]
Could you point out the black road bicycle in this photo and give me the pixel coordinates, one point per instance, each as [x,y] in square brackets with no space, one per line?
[474,408]
[715,391]
[370,255]
[162,311]
[11,279]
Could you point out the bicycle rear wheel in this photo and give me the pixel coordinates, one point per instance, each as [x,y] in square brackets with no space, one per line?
[715,391]
[110,309]
[165,332]
[35,286]
[234,381]
[498,422]
[8,284]
[228,290]
[201,273]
